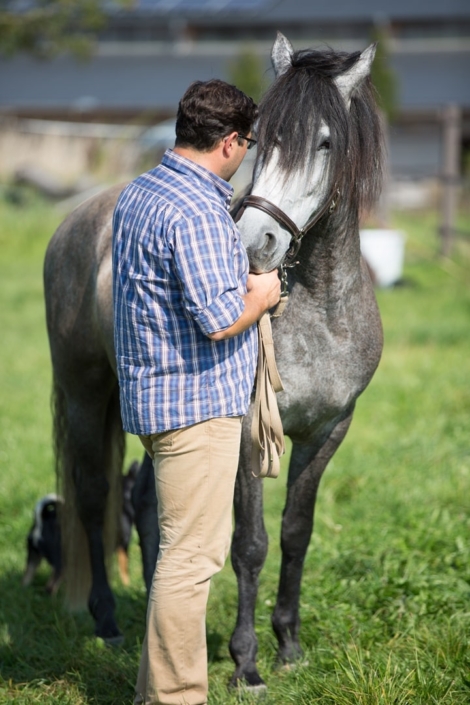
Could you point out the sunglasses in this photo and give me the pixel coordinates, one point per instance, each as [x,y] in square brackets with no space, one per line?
[251,142]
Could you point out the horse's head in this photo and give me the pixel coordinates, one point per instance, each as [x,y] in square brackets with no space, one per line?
[311,146]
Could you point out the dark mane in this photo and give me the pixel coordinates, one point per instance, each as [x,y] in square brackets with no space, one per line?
[290,117]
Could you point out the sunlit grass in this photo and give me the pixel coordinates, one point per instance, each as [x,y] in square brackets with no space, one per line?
[386,589]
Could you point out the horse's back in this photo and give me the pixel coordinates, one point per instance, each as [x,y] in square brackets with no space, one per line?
[78,286]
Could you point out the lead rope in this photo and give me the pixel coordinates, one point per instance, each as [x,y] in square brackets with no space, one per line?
[267,435]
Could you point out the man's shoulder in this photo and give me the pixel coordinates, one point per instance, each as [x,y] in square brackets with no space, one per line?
[163,195]
[179,192]
[148,195]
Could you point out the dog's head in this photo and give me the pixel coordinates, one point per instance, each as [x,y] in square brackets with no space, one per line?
[44,540]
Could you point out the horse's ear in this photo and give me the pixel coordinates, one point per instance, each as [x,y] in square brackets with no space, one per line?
[281,54]
[351,79]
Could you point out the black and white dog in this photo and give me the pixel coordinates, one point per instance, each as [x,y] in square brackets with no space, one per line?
[44,540]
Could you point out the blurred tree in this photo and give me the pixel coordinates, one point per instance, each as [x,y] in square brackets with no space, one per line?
[386,84]
[382,74]
[47,27]
[247,73]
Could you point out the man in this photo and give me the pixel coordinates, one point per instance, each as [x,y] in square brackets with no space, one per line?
[185,307]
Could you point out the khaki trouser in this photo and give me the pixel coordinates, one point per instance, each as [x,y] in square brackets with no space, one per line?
[195,469]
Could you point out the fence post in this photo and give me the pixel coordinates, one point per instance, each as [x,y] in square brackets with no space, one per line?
[451,146]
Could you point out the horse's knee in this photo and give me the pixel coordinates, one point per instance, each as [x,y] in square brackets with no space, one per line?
[249,552]
[295,537]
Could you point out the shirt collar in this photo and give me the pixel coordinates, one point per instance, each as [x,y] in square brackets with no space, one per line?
[187,166]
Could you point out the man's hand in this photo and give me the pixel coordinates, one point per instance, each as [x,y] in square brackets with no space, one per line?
[263,292]
[266,286]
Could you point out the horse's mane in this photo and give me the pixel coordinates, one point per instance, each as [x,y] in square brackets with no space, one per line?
[291,113]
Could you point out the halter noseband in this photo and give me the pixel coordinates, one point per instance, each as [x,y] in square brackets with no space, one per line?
[283,219]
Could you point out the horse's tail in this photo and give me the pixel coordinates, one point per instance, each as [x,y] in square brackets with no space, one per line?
[75,550]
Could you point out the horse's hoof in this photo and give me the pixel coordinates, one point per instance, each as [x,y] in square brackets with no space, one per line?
[251,683]
[259,691]
[289,657]
[291,665]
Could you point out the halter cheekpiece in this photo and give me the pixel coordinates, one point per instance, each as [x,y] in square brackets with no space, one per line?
[282,218]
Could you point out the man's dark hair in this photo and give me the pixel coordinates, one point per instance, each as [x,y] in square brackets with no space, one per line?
[211,110]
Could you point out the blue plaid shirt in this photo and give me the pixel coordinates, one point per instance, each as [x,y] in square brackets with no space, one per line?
[179,273]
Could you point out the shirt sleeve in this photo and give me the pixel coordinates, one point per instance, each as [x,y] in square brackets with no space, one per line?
[208,270]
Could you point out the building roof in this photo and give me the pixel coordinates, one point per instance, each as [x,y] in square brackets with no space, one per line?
[295,10]
[430,51]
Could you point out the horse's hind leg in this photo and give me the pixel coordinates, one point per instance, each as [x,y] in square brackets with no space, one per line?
[249,549]
[94,437]
[144,501]
[305,473]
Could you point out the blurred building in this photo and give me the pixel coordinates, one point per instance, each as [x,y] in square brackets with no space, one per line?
[147,56]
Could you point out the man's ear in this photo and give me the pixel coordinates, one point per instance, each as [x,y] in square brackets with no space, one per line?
[228,141]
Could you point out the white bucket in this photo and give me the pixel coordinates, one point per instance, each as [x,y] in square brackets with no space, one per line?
[384,252]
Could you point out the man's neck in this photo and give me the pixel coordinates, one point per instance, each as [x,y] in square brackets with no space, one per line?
[209,160]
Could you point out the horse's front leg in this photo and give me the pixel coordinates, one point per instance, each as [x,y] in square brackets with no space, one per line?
[249,549]
[305,470]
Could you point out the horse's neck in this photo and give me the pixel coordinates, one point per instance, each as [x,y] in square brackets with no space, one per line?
[329,263]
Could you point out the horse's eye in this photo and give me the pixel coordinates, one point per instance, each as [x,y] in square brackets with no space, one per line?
[324,145]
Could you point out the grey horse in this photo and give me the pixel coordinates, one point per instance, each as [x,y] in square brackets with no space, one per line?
[320,143]
[320,154]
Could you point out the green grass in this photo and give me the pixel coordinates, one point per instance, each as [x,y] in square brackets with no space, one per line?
[386,590]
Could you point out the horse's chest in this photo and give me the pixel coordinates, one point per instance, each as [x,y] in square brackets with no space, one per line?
[323,372]
[331,373]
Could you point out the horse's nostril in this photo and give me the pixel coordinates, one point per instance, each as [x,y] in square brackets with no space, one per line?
[270,242]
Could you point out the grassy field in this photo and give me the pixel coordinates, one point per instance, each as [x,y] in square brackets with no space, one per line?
[385,603]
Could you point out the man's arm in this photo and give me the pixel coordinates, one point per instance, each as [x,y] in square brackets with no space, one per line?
[263,292]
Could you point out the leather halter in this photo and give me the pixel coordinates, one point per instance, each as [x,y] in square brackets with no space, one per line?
[282,218]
